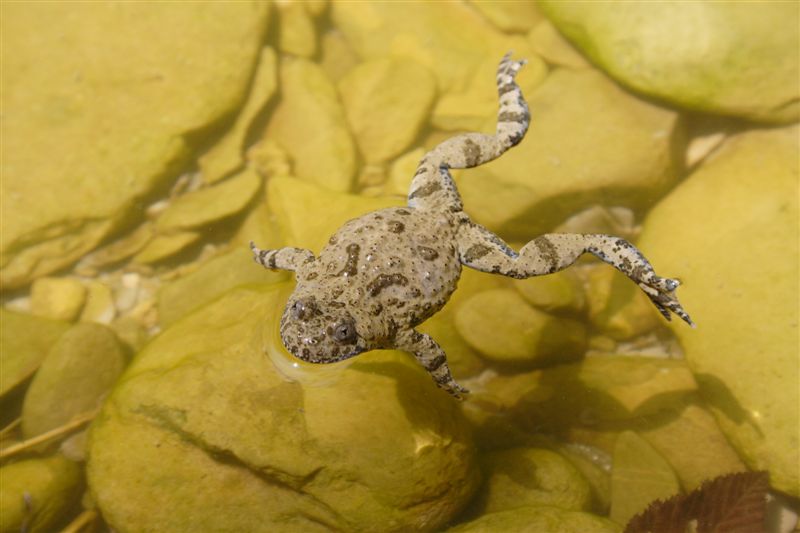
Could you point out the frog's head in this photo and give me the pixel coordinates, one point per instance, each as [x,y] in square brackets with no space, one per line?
[319,332]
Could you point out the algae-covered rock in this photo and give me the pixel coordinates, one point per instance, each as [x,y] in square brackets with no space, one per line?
[211,204]
[338,56]
[531,476]
[554,48]
[183,295]
[401,172]
[730,231]
[736,58]
[617,307]
[24,343]
[57,298]
[639,476]
[226,155]
[591,143]
[589,403]
[309,123]
[508,331]
[74,72]
[37,495]
[558,292]
[296,35]
[163,247]
[78,371]
[214,435]
[450,39]
[387,101]
[509,16]
[308,215]
[470,108]
[99,305]
[537,520]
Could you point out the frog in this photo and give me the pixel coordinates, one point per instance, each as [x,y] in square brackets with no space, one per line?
[384,273]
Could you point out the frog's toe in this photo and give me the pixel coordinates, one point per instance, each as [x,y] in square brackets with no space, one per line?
[661,292]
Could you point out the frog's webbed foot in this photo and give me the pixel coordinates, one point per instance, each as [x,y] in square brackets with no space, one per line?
[282,258]
[482,250]
[432,358]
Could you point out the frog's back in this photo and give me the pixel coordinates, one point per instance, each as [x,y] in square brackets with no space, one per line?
[398,264]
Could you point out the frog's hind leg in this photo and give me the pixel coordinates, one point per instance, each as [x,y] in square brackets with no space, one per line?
[282,258]
[432,186]
[432,358]
[482,250]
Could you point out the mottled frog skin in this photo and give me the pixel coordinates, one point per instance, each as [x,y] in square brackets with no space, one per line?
[382,274]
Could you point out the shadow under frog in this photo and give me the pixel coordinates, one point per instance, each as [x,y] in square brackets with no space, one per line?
[384,273]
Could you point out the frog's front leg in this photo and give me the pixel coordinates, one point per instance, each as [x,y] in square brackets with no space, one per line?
[431,356]
[282,258]
[483,250]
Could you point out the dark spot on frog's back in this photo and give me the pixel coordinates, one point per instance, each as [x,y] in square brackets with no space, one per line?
[425,190]
[429,254]
[476,252]
[351,264]
[472,152]
[395,226]
[375,286]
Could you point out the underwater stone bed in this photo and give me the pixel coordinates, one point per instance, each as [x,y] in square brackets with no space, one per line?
[146,145]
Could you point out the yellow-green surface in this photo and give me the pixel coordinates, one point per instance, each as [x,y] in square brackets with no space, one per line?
[24,343]
[640,475]
[78,371]
[356,445]
[743,292]
[738,58]
[96,113]
[52,488]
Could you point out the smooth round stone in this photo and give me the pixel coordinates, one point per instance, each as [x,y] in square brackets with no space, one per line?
[501,325]
[538,520]
[531,476]
[57,298]
[83,71]
[215,426]
[730,232]
[52,486]
[77,372]
[734,58]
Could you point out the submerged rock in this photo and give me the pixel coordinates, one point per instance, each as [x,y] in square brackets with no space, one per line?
[57,298]
[639,476]
[735,58]
[508,331]
[537,520]
[522,477]
[591,402]
[77,373]
[309,123]
[202,207]
[24,343]
[227,154]
[730,232]
[591,143]
[80,79]
[37,495]
[208,430]
[509,16]
[387,102]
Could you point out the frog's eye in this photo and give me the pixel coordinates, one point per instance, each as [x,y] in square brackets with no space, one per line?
[303,309]
[344,331]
